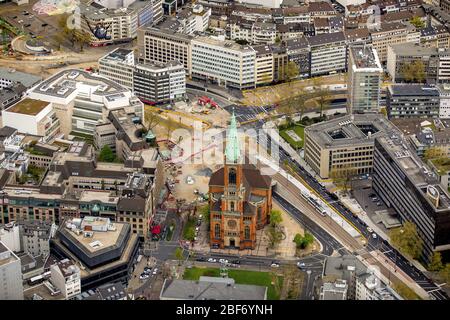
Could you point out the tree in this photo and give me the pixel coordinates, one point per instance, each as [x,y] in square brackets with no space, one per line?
[342,176]
[275,218]
[82,38]
[151,118]
[413,72]
[179,255]
[277,40]
[433,153]
[291,71]
[294,104]
[302,242]
[170,126]
[417,22]
[436,262]
[106,155]
[407,240]
[274,236]
[445,273]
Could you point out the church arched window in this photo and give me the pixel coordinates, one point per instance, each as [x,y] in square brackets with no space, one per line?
[232,176]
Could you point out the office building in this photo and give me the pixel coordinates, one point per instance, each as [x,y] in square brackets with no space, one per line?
[211,288]
[11,275]
[435,62]
[412,101]
[444,100]
[328,54]
[33,117]
[111,24]
[152,82]
[104,250]
[392,33]
[225,63]
[405,184]
[264,67]
[80,100]
[10,76]
[363,80]
[298,51]
[164,44]
[344,146]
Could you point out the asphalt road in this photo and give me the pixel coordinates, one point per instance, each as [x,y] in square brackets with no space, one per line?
[373,243]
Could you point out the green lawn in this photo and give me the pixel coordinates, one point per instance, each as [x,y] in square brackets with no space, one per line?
[240,276]
[299,130]
[189,230]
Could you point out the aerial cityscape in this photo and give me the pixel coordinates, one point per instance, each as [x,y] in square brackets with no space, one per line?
[225,150]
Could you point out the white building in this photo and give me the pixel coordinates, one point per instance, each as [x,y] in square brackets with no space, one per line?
[328,53]
[263,3]
[118,66]
[80,100]
[370,287]
[11,287]
[116,23]
[10,236]
[195,19]
[33,117]
[223,62]
[66,277]
[444,101]
[364,79]
[154,82]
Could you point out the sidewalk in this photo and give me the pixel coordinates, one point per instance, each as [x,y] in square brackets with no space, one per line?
[354,207]
[389,274]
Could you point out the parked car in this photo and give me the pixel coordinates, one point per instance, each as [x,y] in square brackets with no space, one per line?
[369,229]
[223,261]
[379,204]
[374,235]
[147,270]
[274,264]
[301,265]
[212,260]
[155,271]
[144,276]
[236,261]
[200,259]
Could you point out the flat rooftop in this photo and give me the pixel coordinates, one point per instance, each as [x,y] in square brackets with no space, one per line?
[28,106]
[26,79]
[100,240]
[349,130]
[414,168]
[413,90]
[412,49]
[365,58]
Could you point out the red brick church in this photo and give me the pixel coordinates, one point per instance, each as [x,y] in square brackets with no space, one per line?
[240,198]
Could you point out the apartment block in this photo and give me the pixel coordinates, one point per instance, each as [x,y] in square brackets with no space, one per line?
[65,276]
[298,51]
[364,79]
[264,65]
[412,101]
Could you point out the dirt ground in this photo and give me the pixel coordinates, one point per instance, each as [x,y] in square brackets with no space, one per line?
[274,94]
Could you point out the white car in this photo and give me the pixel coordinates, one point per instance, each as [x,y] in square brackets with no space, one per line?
[374,235]
[275,265]
[223,260]
[212,260]
[155,271]
[369,229]
[144,276]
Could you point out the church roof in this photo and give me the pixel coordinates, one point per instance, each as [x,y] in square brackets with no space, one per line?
[251,174]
